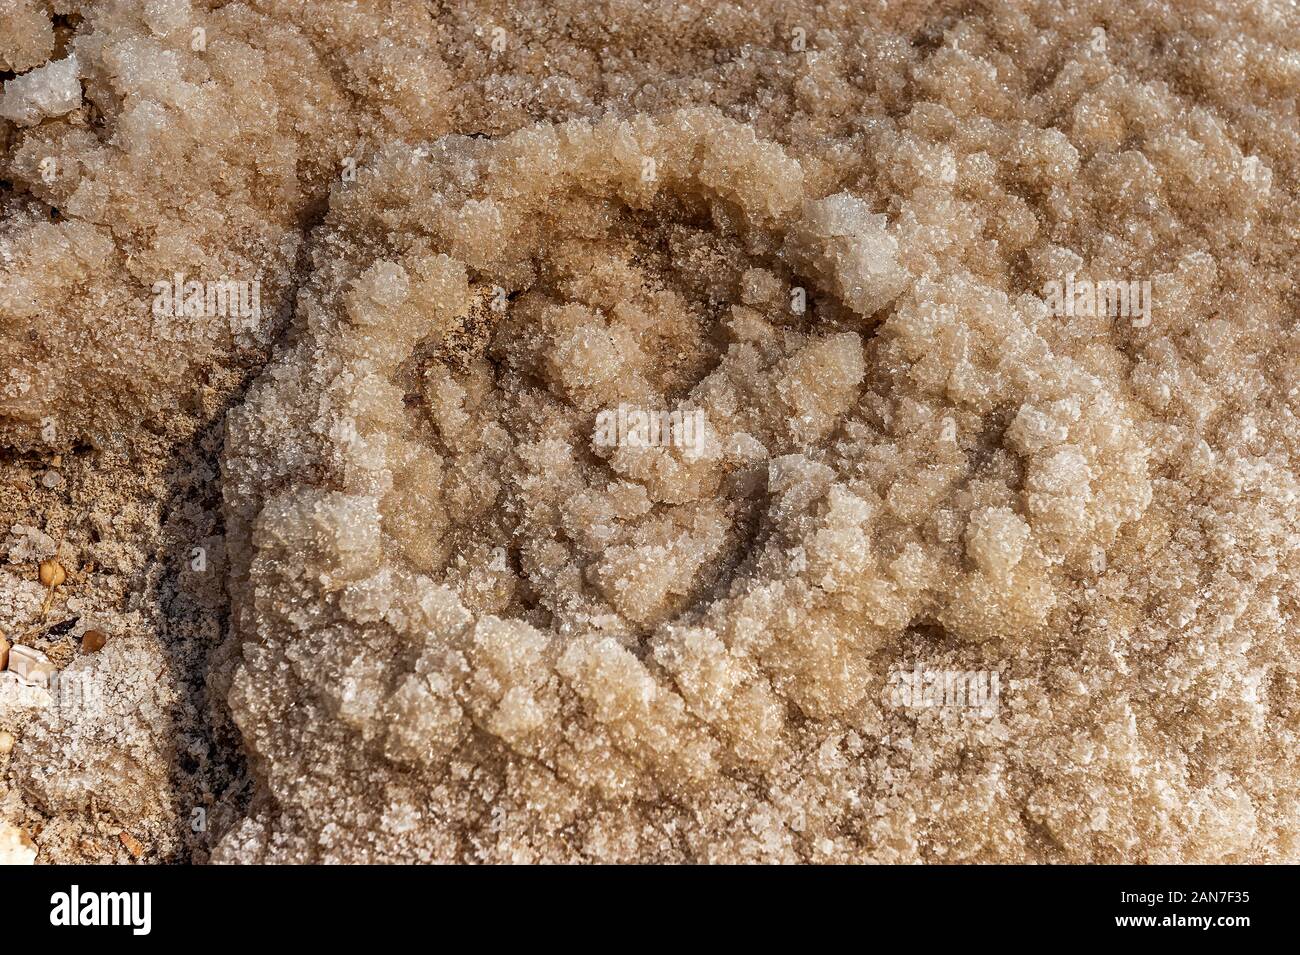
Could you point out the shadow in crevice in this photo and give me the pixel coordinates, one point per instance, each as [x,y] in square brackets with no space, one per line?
[208,778]
[210,785]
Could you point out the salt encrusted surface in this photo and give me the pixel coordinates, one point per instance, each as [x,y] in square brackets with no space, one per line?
[28,37]
[680,658]
[683,658]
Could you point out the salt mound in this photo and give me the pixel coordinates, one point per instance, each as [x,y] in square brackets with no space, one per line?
[472,630]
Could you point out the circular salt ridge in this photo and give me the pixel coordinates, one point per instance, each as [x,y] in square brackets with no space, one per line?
[693,150]
[417,678]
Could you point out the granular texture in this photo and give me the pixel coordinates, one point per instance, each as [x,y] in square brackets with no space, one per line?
[472,617]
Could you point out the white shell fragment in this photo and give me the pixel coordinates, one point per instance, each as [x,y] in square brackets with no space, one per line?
[30,666]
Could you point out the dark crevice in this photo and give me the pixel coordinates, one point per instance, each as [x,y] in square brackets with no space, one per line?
[209,770]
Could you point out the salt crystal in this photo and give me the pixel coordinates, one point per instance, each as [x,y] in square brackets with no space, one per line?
[51,90]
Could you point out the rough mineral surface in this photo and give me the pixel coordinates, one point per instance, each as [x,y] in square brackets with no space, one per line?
[376,585]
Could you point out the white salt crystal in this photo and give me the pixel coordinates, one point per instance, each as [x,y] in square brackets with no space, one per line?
[51,90]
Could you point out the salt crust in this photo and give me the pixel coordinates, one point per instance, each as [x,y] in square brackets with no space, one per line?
[660,640]
[1138,482]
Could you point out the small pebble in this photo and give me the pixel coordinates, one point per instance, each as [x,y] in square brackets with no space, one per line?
[4,651]
[52,573]
[51,479]
[6,742]
[132,844]
[92,641]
